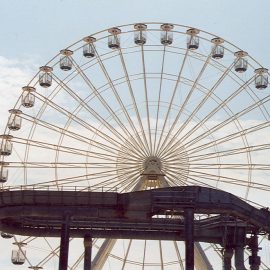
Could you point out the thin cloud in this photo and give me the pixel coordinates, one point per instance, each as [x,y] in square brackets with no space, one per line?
[14,73]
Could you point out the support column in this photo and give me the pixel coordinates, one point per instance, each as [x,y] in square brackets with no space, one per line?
[239,258]
[64,244]
[240,242]
[254,259]
[87,252]
[189,238]
[103,253]
[227,258]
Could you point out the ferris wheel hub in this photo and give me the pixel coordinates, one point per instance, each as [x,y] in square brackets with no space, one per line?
[152,175]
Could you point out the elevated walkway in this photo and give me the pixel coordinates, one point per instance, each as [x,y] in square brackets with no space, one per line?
[164,214]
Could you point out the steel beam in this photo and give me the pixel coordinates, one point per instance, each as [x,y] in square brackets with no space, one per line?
[227,258]
[240,238]
[64,244]
[87,252]
[103,254]
[200,259]
[254,259]
[189,238]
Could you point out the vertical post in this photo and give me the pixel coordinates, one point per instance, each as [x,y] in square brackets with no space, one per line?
[87,252]
[64,244]
[227,258]
[189,238]
[240,241]
[254,259]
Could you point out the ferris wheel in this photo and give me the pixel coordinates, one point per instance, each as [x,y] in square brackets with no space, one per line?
[135,107]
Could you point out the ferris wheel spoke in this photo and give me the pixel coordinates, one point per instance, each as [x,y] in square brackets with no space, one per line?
[146,99]
[241,133]
[161,255]
[144,255]
[130,184]
[194,152]
[174,181]
[159,99]
[228,138]
[64,165]
[193,180]
[224,104]
[232,118]
[123,107]
[77,262]
[180,260]
[53,253]
[229,180]
[115,180]
[27,240]
[232,152]
[134,103]
[200,105]
[230,166]
[73,135]
[80,121]
[99,118]
[65,149]
[49,245]
[126,255]
[109,175]
[170,104]
[102,100]
[193,87]
[173,156]
[105,185]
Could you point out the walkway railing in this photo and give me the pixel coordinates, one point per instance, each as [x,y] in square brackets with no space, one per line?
[59,188]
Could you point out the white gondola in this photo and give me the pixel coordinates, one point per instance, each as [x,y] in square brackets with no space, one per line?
[140,34]
[217,48]
[15,120]
[3,173]
[192,39]
[166,37]
[6,145]
[114,38]
[261,78]
[28,98]
[18,256]
[88,48]
[45,76]
[65,60]
[240,63]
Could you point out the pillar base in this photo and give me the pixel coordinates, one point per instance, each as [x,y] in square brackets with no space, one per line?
[87,252]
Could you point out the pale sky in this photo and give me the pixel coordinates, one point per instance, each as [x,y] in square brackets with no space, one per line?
[34,31]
